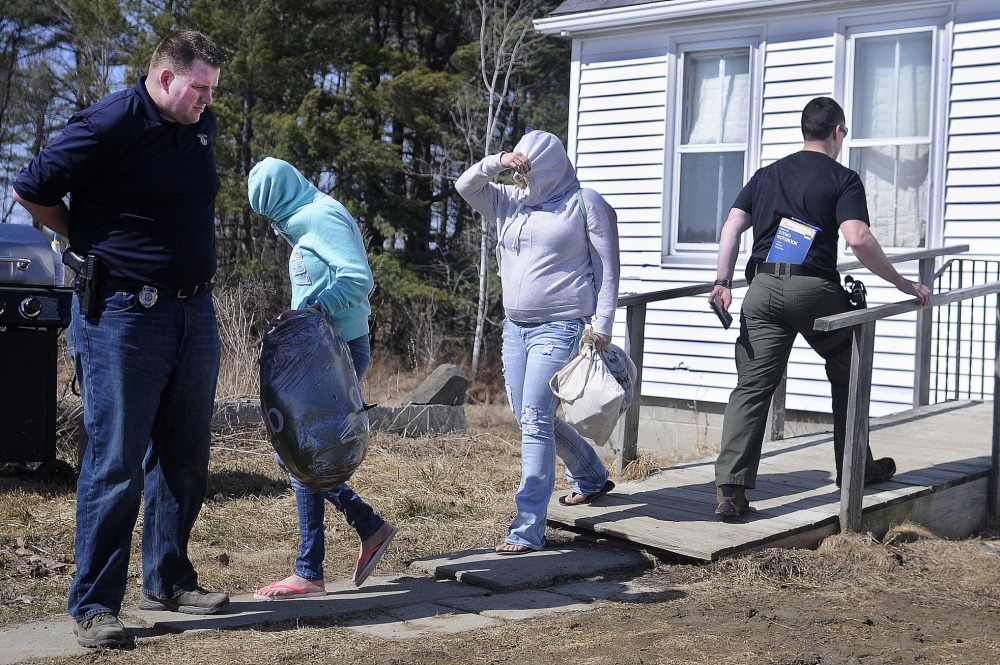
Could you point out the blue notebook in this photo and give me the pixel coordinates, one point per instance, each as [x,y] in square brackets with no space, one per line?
[792,241]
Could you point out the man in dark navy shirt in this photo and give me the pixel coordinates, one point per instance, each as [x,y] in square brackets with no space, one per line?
[811,189]
[139,170]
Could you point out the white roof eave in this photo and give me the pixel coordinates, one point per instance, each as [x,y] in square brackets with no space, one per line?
[601,20]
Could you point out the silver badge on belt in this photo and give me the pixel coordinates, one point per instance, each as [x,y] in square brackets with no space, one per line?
[148,296]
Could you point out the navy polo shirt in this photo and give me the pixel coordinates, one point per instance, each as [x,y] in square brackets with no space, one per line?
[142,189]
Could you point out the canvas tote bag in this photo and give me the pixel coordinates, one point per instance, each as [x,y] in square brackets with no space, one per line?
[590,394]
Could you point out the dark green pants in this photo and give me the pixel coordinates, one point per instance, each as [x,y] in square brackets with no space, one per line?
[776,309]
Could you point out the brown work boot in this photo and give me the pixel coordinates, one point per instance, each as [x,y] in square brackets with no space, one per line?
[194,601]
[731,501]
[101,630]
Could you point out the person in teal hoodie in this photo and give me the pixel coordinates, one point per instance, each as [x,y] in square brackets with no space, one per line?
[329,271]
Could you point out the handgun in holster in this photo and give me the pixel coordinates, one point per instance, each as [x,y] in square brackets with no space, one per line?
[86,283]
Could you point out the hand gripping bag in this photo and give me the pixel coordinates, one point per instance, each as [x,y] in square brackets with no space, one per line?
[590,393]
[623,369]
[311,401]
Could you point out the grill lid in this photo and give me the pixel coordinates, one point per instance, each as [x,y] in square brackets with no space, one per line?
[25,256]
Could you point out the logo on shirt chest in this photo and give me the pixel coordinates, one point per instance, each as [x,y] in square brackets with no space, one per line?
[299,272]
[203,138]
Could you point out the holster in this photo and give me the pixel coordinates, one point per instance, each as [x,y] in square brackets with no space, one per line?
[87,282]
[857,294]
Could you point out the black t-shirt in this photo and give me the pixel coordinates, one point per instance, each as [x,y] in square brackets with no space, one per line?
[809,186]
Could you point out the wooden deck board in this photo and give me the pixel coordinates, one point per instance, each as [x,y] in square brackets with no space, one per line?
[942,454]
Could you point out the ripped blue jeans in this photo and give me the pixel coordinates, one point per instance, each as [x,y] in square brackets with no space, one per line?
[532,353]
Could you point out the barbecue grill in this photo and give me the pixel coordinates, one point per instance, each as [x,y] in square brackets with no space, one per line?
[32,313]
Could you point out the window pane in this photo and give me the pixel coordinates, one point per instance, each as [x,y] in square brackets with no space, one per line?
[892,86]
[709,184]
[896,181]
[736,107]
[716,98]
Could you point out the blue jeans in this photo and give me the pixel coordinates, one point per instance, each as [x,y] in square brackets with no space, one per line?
[532,353]
[147,378]
[312,505]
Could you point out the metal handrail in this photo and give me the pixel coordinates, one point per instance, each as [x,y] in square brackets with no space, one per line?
[862,325]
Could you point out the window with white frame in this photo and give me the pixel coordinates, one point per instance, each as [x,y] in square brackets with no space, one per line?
[889,143]
[712,146]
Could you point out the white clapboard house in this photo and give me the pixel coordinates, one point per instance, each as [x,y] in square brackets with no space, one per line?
[674,104]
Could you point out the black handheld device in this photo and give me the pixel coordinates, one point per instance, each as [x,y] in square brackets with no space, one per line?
[725,318]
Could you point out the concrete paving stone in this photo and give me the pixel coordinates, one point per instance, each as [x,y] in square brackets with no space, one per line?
[380,594]
[538,570]
[386,627]
[37,640]
[626,591]
[343,600]
[440,619]
[518,605]
[419,620]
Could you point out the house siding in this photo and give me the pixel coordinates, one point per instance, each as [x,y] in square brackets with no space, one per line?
[972,194]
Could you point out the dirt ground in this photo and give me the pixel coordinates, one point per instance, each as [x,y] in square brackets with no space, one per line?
[913,598]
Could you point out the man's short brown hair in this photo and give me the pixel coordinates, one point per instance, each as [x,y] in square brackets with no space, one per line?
[819,117]
[180,49]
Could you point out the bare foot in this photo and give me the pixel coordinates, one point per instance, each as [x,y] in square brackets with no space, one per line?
[376,539]
[291,587]
[510,548]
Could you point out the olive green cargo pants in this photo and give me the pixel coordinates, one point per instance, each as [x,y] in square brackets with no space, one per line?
[775,310]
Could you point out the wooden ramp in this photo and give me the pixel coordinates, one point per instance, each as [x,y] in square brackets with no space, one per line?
[942,454]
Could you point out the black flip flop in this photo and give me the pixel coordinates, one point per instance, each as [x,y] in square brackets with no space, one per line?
[589,498]
[526,550]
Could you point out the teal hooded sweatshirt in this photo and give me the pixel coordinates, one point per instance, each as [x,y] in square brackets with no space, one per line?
[328,262]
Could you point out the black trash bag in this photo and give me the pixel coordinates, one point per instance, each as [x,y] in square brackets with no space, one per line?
[311,401]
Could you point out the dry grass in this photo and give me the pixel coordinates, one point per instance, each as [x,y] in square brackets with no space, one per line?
[640,468]
[447,493]
[241,308]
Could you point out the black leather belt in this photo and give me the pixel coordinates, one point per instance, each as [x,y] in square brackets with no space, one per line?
[794,269]
[148,295]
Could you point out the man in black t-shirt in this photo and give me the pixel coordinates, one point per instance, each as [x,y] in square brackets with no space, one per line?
[811,189]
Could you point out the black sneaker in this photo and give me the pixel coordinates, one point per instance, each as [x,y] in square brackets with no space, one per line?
[101,630]
[195,601]
[880,471]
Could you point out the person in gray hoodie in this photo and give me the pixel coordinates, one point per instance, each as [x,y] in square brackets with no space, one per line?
[329,271]
[558,254]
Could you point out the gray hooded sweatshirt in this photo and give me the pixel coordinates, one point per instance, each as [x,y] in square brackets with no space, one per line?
[553,267]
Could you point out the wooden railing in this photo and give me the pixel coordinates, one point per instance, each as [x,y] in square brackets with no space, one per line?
[635,323]
[862,325]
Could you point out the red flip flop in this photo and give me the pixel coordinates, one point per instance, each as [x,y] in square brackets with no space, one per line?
[367,561]
[287,591]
